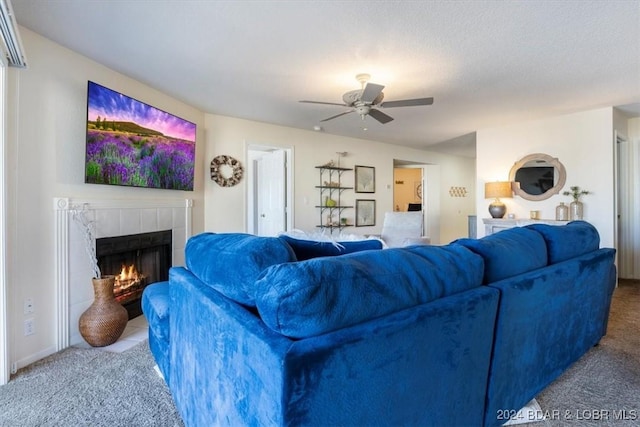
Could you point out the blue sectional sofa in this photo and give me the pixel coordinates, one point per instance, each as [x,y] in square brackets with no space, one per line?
[249,334]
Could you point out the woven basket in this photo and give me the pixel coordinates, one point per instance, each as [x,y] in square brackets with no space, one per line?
[104,321]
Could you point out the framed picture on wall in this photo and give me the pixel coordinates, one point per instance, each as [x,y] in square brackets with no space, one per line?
[365,179]
[365,213]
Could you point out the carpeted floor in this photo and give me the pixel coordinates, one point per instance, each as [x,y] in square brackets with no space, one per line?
[91,387]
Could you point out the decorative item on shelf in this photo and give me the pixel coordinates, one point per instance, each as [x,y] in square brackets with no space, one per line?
[534,214]
[219,163]
[329,220]
[343,221]
[329,202]
[329,164]
[496,190]
[562,212]
[105,319]
[576,207]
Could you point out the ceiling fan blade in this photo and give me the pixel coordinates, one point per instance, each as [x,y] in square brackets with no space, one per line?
[407,103]
[371,92]
[380,116]
[337,115]
[324,103]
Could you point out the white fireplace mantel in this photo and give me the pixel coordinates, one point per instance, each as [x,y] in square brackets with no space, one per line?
[111,217]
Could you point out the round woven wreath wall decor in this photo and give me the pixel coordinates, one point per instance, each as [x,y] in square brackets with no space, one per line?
[217,175]
[218,166]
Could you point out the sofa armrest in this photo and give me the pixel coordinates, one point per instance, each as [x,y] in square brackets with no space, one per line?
[547,319]
[225,364]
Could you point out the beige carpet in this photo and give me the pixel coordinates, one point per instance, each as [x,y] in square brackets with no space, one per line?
[603,387]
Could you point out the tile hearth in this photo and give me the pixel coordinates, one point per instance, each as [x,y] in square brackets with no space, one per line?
[137,330]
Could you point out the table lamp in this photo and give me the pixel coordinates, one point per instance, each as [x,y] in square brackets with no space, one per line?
[495,190]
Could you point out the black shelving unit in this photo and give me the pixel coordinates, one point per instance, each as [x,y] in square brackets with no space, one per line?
[331,188]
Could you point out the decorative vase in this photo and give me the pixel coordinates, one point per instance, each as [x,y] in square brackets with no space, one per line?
[328,202]
[562,212]
[105,319]
[575,209]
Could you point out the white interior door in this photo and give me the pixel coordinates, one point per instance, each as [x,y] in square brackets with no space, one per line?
[271,201]
[628,208]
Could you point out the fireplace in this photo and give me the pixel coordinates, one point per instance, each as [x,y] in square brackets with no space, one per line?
[137,260]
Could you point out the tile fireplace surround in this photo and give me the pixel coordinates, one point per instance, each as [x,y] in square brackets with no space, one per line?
[112,218]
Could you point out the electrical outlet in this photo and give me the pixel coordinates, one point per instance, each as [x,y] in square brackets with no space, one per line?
[29,327]
[28,306]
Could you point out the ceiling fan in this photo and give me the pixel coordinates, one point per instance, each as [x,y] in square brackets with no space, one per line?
[363,101]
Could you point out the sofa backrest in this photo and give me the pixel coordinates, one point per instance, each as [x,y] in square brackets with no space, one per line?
[231,262]
[509,252]
[568,241]
[319,295]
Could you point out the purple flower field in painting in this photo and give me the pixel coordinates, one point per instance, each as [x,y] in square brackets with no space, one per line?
[124,158]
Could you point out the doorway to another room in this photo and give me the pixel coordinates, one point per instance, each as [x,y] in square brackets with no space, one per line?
[416,186]
[269,190]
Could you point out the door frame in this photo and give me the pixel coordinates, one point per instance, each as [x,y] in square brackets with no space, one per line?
[253,150]
[4,318]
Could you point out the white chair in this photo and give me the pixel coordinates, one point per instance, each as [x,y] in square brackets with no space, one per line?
[403,229]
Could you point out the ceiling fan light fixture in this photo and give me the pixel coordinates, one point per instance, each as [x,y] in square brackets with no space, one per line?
[363,78]
[364,100]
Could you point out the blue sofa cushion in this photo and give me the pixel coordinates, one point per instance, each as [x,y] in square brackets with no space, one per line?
[568,241]
[155,306]
[307,249]
[509,252]
[231,262]
[319,295]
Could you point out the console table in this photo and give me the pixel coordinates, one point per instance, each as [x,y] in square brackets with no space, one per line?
[493,225]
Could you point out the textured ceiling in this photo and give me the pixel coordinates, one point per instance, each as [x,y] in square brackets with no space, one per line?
[486,63]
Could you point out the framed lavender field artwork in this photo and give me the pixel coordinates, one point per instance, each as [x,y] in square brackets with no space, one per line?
[365,179]
[133,144]
[365,213]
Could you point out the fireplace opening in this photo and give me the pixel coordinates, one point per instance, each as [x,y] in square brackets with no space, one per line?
[137,261]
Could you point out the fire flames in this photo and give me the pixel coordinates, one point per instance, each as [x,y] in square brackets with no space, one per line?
[128,277]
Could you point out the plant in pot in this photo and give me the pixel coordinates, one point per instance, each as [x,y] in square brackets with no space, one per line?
[105,319]
[576,207]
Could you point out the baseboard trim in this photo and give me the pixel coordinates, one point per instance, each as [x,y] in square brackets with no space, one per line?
[32,358]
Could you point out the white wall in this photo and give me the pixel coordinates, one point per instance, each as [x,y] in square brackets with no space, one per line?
[225,207]
[582,142]
[45,153]
[633,128]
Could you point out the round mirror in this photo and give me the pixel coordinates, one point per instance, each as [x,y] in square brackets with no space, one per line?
[537,177]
